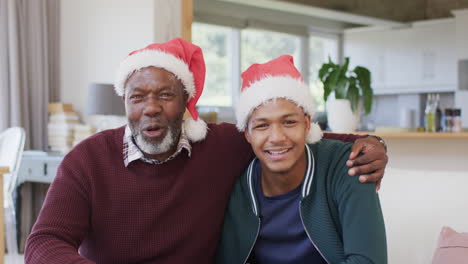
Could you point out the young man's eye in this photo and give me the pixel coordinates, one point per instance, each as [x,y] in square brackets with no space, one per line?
[261,126]
[290,122]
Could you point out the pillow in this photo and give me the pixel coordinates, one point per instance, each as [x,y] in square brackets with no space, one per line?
[452,247]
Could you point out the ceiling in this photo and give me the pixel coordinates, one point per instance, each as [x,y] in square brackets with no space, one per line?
[396,10]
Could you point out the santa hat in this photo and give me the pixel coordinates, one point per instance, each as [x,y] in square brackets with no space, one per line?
[185,61]
[277,78]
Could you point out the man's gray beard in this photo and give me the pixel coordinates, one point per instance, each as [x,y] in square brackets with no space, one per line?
[154,149]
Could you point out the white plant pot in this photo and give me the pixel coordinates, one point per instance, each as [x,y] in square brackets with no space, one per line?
[341,119]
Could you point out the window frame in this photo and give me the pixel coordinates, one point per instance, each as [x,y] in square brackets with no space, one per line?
[234,44]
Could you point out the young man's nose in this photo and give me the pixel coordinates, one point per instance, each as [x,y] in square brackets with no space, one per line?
[277,134]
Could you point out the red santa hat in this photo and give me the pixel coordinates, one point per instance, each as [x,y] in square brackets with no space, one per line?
[277,78]
[185,61]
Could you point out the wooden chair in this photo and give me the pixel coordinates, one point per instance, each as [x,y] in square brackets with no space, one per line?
[3,170]
[11,149]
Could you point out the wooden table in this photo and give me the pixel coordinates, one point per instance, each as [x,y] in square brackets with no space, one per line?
[3,170]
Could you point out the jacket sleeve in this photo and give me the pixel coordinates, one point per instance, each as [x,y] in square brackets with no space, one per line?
[343,137]
[63,221]
[361,219]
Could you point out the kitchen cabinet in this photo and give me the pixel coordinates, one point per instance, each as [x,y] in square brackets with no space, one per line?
[415,59]
[461,29]
[368,47]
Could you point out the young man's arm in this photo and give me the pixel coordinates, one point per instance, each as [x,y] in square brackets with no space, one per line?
[361,219]
[63,221]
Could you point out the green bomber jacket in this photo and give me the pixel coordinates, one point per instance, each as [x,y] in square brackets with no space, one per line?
[342,217]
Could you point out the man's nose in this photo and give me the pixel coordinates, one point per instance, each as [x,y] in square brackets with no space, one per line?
[153,106]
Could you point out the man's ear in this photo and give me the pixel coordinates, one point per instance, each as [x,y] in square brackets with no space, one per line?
[186,114]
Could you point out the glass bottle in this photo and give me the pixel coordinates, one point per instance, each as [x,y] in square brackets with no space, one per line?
[438,114]
[430,114]
[448,120]
[457,126]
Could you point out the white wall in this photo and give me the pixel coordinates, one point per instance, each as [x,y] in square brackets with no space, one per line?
[95,37]
[424,189]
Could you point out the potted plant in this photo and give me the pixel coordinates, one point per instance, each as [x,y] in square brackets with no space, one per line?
[351,89]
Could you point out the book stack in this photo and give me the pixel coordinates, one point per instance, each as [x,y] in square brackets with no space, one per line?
[81,132]
[62,120]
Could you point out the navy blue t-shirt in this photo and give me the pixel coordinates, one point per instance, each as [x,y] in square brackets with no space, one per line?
[282,238]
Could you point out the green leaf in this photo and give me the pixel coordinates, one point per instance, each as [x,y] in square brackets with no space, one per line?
[330,83]
[326,76]
[341,88]
[364,77]
[344,68]
[368,96]
[326,92]
[353,94]
[325,70]
[364,84]
[342,81]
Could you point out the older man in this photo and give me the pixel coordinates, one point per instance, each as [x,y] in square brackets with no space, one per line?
[153,191]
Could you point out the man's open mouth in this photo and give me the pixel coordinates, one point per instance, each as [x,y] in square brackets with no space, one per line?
[153,131]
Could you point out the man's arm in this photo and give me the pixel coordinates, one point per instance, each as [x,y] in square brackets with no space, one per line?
[342,137]
[368,157]
[63,221]
[361,219]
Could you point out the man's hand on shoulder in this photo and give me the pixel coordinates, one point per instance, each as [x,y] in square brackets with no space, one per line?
[368,158]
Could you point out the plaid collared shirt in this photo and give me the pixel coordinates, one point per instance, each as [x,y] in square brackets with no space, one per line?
[132,152]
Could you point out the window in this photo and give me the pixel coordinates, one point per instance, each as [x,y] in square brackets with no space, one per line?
[221,48]
[213,40]
[319,50]
[260,46]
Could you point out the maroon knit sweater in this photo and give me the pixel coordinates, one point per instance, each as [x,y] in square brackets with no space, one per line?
[168,213]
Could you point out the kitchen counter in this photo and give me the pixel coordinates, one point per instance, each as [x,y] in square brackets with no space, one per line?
[417,135]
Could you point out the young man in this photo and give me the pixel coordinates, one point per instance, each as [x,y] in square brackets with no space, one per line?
[155,190]
[295,203]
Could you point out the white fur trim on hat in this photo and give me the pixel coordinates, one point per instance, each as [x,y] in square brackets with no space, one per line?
[271,87]
[156,58]
[315,133]
[195,130]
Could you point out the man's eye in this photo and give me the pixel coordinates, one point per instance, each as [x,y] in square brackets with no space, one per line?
[166,95]
[136,96]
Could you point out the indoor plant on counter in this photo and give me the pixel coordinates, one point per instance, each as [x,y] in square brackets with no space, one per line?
[351,90]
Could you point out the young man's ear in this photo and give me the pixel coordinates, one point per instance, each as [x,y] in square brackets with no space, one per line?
[307,120]
[247,135]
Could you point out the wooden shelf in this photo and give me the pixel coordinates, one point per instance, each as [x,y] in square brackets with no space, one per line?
[417,135]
